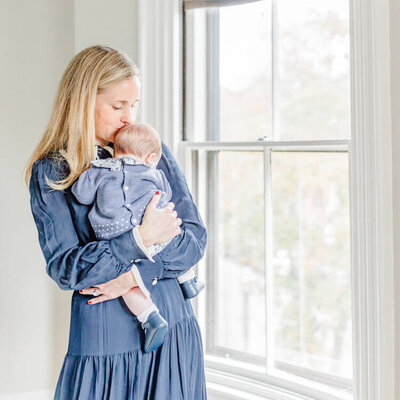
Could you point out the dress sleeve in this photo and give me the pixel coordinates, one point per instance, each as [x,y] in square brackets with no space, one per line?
[185,250]
[165,186]
[74,265]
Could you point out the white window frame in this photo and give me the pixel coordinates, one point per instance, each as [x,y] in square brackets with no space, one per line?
[160,49]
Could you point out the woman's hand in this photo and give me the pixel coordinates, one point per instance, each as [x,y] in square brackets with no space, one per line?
[159,224]
[111,289]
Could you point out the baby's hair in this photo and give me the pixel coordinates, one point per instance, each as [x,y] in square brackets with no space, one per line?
[139,139]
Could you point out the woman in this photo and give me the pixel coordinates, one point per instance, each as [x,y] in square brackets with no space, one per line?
[95,99]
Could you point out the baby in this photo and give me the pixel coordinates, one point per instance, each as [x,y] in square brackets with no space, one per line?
[119,189]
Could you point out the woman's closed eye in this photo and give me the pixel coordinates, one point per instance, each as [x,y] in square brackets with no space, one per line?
[133,106]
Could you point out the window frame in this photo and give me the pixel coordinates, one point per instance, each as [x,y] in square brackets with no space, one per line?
[207,26]
[371,175]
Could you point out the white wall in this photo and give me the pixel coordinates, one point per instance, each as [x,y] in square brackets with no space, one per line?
[36,42]
[108,23]
[395,87]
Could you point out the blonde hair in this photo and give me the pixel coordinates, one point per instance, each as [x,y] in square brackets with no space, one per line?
[139,139]
[70,134]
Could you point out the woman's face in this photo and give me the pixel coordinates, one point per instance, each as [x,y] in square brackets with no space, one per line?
[114,109]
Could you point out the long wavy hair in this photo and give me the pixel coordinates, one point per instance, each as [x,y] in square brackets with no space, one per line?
[70,134]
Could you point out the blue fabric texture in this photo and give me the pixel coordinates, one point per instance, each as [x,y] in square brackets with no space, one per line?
[119,190]
[105,359]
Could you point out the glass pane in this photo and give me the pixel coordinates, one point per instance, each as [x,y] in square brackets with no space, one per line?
[311,261]
[306,97]
[240,273]
[314,69]
[245,71]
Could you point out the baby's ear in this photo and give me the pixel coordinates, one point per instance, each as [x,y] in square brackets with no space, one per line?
[150,158]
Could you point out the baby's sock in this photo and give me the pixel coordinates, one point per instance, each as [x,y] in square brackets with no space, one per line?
[186,276]
[142,317]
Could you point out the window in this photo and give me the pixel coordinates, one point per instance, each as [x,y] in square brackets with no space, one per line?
[268,132]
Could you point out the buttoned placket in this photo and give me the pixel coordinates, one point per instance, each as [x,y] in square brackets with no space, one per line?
[126,188]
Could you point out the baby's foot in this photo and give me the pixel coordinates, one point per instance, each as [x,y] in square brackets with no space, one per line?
[192,287]
[155,329]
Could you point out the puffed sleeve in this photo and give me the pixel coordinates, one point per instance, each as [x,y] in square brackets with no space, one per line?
[84,189]
[186,249]
[72,264]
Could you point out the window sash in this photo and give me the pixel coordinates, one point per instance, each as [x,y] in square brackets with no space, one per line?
[235,361]
[207,27]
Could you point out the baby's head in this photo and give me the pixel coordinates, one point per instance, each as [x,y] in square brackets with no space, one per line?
[139,140]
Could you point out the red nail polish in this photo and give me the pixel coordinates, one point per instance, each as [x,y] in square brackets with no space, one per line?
[89,302]
[157,193]
[80,291]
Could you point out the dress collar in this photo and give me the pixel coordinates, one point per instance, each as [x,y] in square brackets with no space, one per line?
[115,164]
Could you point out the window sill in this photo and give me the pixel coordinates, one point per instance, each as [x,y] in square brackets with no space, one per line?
[224,379]
[224,386]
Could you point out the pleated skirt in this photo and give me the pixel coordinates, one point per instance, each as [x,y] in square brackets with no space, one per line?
[105,358]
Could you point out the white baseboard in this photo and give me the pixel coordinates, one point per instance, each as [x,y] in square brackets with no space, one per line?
[36,395]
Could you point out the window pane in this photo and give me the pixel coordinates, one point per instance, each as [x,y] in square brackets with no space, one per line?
[311,261]
[245,71]
[314,73]
[275,68]
[239,301]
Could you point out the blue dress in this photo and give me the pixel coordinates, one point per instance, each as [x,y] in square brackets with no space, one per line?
[105,358]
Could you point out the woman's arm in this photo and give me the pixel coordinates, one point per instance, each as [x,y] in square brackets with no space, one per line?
[74,265]
[186,249]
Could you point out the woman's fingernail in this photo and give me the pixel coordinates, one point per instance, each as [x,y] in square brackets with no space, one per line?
[80,291]
[157,193]
[89,302]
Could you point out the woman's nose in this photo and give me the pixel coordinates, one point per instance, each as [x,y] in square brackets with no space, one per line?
[127,117]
